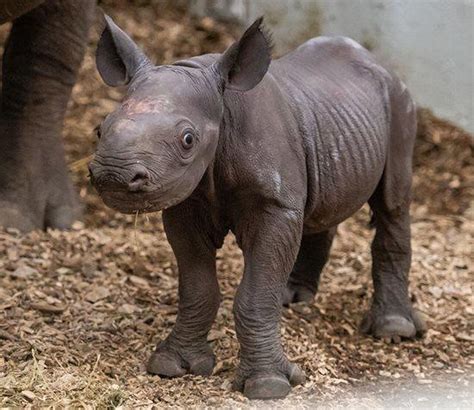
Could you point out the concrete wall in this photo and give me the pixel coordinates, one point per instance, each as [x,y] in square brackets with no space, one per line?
[429,43]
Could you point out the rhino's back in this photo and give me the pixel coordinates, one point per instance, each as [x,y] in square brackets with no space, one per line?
[340,96]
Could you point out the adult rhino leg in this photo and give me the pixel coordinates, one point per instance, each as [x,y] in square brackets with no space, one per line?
[270,241]
[312,256]
[40,64]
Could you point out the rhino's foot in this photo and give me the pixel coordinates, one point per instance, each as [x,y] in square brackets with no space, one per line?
[170,361]
[393,327]
[36,193]
[257,384]
[41,195]
[63,216]
[38,213]
[12,217]
[297,293]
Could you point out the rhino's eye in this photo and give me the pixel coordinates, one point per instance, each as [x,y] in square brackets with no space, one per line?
[188,140]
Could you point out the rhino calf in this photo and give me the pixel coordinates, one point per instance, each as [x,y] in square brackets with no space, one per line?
[278,152]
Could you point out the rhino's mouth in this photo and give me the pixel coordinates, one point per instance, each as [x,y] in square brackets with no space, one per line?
[133,202]
[151,197]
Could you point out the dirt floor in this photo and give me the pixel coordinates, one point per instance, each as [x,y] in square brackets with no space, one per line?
[80,311]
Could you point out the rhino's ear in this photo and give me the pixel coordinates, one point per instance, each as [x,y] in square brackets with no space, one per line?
[244,63]
[118,58]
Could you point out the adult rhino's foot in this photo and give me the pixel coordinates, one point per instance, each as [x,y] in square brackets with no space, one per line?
[13,217]
[393,327]
[61,213]
[39,210]
[297,293]
[267,384]
[35,189]
[169,360]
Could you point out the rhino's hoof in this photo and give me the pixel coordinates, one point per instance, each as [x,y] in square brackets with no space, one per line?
[202,365]
[393,327]
[12,217]
[62,217]
[266,387]
[296,375]
[25,220]
[270,385]
[296,294]
[167,363]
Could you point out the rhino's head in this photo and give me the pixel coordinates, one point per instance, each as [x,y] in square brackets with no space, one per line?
[154,149]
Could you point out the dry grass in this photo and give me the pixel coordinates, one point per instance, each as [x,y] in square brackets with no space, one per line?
[81,311]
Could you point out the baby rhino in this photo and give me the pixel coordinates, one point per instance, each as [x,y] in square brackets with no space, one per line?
[278,152]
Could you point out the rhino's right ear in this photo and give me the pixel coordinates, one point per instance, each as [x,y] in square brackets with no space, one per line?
[118,58]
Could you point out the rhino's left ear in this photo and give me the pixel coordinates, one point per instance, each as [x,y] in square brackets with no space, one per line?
[244,63]
[118,58]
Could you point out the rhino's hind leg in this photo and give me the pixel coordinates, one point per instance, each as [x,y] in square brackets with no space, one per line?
[391,315]
[312,256]
[40,63]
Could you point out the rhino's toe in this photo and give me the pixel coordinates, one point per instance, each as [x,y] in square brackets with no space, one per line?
[202,365]
[12,216]
[267,385]
[393,327]
[27,212]
[296,294]
[167,362]
[62,217]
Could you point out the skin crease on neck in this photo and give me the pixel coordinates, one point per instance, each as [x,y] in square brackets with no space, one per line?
[278,152]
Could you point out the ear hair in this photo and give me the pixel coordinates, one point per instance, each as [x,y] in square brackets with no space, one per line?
[266,33]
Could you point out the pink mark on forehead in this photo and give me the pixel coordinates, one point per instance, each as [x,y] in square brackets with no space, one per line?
[133,106]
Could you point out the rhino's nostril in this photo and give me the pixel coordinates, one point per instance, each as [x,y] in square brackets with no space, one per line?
[139,176]
[139,180]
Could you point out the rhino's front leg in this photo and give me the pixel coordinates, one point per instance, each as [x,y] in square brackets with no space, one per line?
[270,242]
[186,349]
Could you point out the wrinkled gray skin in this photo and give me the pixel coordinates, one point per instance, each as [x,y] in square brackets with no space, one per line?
[280,152]
[42,57]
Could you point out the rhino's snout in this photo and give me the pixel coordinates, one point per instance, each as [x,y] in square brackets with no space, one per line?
[134,178]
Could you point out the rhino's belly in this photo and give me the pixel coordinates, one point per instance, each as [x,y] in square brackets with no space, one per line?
[346,178]
[325,217]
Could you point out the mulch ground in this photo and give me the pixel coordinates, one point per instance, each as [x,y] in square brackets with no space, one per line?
[80,311]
